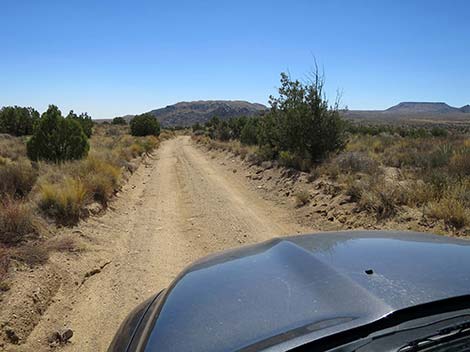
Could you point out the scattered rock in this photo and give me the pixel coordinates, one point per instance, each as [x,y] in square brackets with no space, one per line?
[94,272]
[61,336]
[11,335]
[267,165]
[94,208]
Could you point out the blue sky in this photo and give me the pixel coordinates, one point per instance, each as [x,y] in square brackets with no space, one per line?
[122,57]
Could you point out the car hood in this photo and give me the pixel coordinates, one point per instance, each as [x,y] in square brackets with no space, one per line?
[261,296]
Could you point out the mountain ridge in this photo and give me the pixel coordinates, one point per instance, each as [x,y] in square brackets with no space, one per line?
[187,113]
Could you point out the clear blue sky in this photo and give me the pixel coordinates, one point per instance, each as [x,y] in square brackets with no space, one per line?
[121,57]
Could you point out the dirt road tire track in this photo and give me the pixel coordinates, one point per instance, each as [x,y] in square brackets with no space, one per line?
[179,207]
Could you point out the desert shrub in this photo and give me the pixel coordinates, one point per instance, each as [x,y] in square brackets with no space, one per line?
[451,210]
[11,147]
[16,178]
[418,193]
[243,152]
[149,143]
[4,266]
[145,125]
[101,177]
[438,181]
[65,201]
[165,135]
[439,132]
[136,149]
[119,121]
[357,162]
[17,121]
[84,120]
[379,201]
[331,169]
[287,159]
[302,197]
[32,254]
[64,243]
[459,163]
[222,131]
[16,221]
[354,189]
[441,156]
[115,131]
[376,196]
[57,139]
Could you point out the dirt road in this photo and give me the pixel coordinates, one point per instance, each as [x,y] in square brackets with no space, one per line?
[179,207]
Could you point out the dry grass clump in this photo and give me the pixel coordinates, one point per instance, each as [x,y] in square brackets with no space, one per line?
[65,202]
[101,177]
[64,243]
[11,147]
[452,211]
[459,163]
[454,206]
[302,198]
[353,162]
[17,178]
[4,266]
[17,221]
[31,254]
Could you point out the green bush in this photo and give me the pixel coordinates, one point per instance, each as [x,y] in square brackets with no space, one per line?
[439,132]
[249,132]
[17,121]
[145,125]
[84,120]
[119,121]
[301,121]
[57,139]
[197,127]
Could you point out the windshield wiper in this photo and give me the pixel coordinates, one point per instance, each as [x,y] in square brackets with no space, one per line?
[444,335]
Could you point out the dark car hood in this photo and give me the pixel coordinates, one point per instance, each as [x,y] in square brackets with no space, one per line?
[313,285]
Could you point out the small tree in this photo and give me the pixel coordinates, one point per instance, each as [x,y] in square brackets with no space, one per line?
[17,121]
[301,122]
[145,125]
[57,139]
[84,120]
[119,121]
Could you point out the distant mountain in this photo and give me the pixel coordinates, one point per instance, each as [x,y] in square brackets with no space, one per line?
[189,113]
[413,111]
[465,108]
[422,108]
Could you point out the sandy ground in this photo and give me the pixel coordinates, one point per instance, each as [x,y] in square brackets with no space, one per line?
[180,206]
